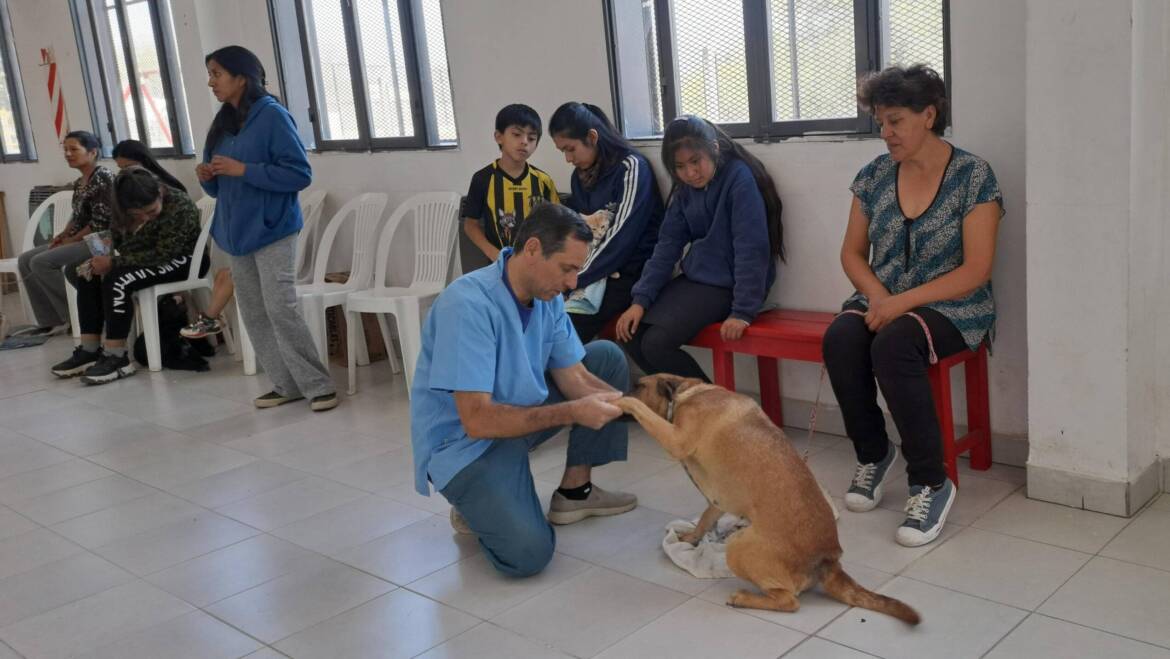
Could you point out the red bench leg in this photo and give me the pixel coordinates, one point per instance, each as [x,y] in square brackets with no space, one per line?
[724,364]
[770,389]
[979,410]
[940,385]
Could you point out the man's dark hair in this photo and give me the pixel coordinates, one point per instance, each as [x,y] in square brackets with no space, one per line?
[553,224]
[917,88]
[518,114]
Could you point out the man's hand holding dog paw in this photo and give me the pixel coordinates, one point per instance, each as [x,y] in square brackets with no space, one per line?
[596,410]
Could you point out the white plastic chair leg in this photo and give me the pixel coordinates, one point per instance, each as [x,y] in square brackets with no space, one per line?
[363,351]
[247,353]
[313,311]
[71,300]
[409,335]
[352,320]
[388,340]
[148,310]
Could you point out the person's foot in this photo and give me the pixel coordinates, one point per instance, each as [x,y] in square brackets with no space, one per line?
[273,399]
[599,503]
[109,368]
[459,524]
[865,492]
[77,363]
[926,512]
[322,403]
[202,327]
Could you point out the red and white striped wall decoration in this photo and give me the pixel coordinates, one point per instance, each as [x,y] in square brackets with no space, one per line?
[56,99]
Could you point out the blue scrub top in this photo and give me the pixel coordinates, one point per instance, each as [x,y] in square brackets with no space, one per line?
[474,339]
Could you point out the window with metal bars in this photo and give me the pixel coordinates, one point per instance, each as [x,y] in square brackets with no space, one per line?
[374,71]
[131,74]
[764,69]
[15,140]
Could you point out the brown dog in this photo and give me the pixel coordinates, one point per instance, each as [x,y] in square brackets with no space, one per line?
[745,465]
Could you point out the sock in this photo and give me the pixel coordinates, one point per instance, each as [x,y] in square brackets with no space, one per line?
[577,493]
[90,345]
[117,352]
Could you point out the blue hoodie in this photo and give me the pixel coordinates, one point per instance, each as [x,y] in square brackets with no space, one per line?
[260,207]
[726,225]
[629,190]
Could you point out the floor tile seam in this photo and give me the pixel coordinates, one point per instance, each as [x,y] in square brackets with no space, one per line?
[1101,630]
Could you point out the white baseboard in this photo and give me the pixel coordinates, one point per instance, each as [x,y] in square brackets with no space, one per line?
[1077,490]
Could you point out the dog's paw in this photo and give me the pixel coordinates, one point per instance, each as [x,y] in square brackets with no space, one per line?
[739,599]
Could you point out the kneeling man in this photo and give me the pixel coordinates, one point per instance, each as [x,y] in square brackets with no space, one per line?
[502,370]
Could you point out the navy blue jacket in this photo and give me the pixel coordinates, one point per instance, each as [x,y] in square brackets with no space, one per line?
[726,226]
[260,207]
[629,190]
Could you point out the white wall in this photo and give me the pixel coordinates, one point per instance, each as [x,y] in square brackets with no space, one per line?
[567,38]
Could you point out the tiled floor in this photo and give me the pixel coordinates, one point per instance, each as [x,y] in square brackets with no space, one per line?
[162,517]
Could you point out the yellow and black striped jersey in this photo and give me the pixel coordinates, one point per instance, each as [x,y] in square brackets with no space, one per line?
[501,203]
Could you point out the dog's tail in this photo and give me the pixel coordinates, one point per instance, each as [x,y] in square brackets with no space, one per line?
[843,588]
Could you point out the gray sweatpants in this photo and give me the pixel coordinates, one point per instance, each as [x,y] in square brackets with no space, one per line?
[266,296]
[40,270]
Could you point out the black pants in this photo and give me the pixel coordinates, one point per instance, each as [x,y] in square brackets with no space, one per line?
[682,310]
[615,301]
[898,356]
[108,300]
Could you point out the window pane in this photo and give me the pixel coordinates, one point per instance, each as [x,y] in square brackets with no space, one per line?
[334,81]
[915,33]
[387,87]
[814,59]
[10,142]
[150,81]
[710,60]
[435,78]
[634,31]
[122,103]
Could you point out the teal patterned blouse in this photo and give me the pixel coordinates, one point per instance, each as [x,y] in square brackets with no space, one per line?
[909,253]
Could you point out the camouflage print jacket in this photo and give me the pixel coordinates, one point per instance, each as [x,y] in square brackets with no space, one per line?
[171,235]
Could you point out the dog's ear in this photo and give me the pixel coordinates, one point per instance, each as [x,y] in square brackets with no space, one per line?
[667,388]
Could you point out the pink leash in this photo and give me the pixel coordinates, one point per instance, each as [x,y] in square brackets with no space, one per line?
[812,415]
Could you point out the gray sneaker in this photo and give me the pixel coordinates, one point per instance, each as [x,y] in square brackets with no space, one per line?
[926,512]
[865,492]
[459,523]
[599,503]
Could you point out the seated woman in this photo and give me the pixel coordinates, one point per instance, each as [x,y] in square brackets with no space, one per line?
[40,267]
[725,206]
[614,186]
[153,232]
[129,153]
[929,212]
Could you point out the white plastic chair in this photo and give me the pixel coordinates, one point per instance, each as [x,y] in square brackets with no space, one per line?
[312,203]
[147,298]
[314,298]
[62,205]
[436,222]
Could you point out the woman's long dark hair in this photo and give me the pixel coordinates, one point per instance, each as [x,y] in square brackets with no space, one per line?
[134,187]
[238,61]
[139,153]
[697,133]
[574,120]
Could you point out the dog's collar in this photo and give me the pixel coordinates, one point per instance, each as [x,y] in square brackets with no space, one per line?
[670,411]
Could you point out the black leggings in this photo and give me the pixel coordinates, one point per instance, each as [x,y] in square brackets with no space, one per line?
[108,300]
[899,357]
[682,310]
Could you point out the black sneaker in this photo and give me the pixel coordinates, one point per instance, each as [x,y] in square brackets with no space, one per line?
[109,368]
[76,365]
[322,403]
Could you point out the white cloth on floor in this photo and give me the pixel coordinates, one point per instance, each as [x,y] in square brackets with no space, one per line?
[708,559]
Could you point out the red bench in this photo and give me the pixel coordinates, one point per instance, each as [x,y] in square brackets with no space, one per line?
[787,334]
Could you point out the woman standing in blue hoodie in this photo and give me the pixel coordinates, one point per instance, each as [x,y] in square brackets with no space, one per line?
[725,206]
[254,165]
[614,187]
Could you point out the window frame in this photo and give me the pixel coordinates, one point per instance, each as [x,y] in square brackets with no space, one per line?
[365,141]
[96,59]
[26,152]
[867,25]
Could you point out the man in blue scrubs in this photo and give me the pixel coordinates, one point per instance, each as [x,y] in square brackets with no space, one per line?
[502,370]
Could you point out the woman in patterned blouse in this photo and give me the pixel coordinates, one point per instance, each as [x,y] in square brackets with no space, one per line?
[40,267]
[928,211]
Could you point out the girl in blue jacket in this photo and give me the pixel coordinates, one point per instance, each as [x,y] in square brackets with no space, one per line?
[254,164]
[614,186]
[725,206]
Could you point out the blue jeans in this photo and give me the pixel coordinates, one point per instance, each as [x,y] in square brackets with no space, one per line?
[496,495]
